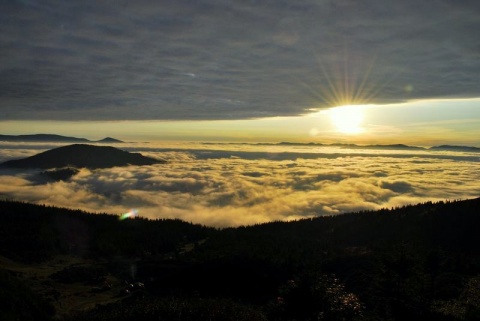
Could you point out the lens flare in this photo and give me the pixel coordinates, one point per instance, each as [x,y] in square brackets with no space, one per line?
[132,213]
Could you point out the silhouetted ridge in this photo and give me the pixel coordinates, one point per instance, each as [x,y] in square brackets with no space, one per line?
[53,138]
[81,155]
[453,148]
[354,146]
[41,138]
[109,140]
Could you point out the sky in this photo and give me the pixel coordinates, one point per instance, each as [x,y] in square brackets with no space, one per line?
[242,70]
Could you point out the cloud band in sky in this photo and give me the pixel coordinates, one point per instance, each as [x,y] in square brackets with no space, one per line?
[212,59]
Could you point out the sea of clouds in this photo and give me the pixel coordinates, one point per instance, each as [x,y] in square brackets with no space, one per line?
[238,185]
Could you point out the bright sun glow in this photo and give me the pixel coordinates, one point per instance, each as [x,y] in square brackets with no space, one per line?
[347,119]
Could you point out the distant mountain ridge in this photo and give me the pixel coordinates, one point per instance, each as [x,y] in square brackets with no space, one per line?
[53,138]
[109,140]
[451,148]
[81,155]
[454,148]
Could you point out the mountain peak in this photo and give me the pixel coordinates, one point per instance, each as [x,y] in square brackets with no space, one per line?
[82,155]
[109,140]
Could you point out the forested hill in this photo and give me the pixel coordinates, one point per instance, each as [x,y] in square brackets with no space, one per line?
[419,262]
[32,232]
[81,155]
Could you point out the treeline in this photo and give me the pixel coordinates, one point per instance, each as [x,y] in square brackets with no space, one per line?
[417,262]
[411,263]
[33,233]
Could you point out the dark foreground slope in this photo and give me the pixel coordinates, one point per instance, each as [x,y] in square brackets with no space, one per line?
[82,155]
[55,261]
[412,263]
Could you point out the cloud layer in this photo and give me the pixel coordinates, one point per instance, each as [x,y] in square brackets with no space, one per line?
[226,191]
[225,59]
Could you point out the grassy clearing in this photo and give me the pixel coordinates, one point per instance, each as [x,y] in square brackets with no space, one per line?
[65,297]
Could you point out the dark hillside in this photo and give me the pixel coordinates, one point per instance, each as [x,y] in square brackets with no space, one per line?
[36,232]
[418,262]
[409,263]
[81,155]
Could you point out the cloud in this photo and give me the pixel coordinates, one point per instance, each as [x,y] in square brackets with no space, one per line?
[226,191]
[211,59]
[397,186]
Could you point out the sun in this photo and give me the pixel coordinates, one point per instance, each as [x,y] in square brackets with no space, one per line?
[347,119]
